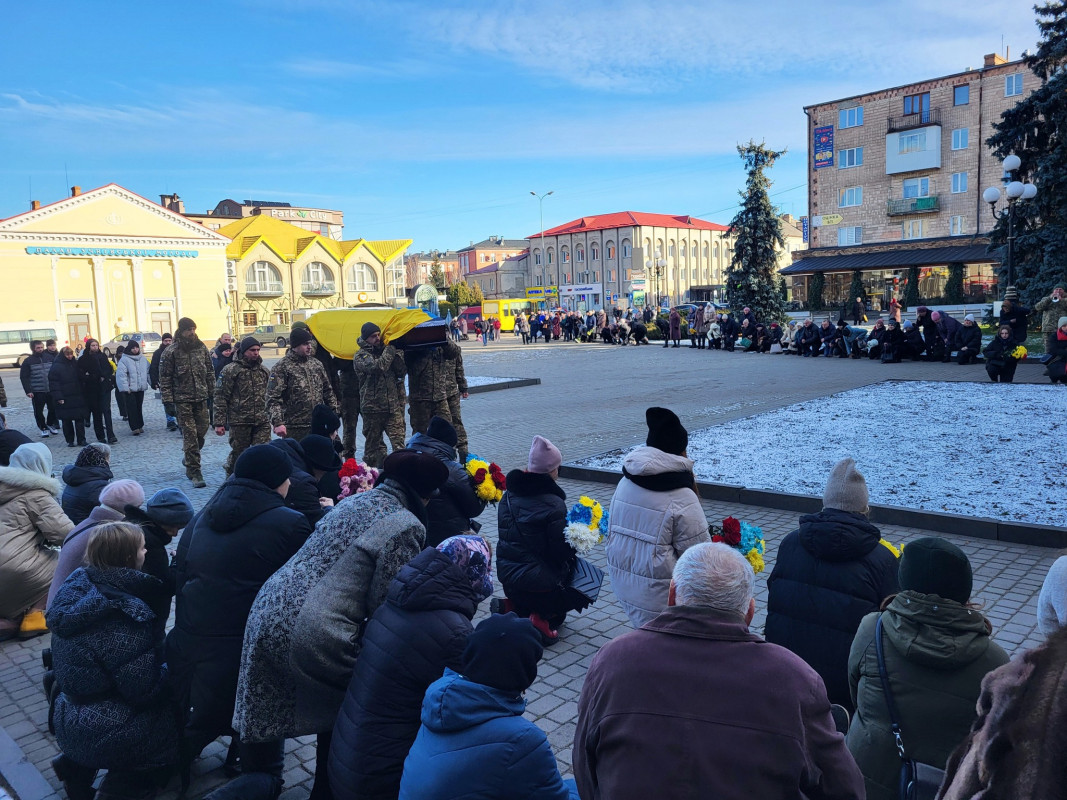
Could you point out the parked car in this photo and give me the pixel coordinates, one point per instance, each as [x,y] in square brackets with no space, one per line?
[149,342]
[471,313]
[278,334]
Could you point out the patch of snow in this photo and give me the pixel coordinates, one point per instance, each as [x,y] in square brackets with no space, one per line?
[482,380]
[978,449]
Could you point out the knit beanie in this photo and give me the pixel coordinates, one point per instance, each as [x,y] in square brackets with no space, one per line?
[249,341]
[1062,322]
[166,336]
[933,565]
[665,431]
[268,465]
[185,324]
[969,317]
[369,329]
[299,336]
[323,421]
[441,430]
[544,456]
[93,455]
[846,489]
[319,453]
[503,652]
[169,508]
[300,325]
[121,493]
[422,473]
[1060,286]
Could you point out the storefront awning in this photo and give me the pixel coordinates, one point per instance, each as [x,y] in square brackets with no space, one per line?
[891,259]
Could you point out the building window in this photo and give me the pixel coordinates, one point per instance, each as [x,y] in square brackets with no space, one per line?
[852,235]
[959,139]
[912,142]
[550,255]
[916,187]
[263,278]
[317,279]
[248,319]
[961,95]
[564,255]
[670,249]
[684,251]
[853,157]
[611,275]
[913,229]
[537,257]
[362,278]
[625,248]
[850,117]
[281,318]
[594,253]
[706,250]
[918,104]
[609,249]
[1013,84]
[956,226]
[852,196]
[959,182]
[579,255]
[596,276]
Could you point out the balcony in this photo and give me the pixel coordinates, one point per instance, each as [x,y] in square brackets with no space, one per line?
[914,205]
[908,121]
[324,289]
[264,289]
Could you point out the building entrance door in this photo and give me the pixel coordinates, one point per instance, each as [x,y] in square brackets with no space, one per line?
[77,328]
[161,322]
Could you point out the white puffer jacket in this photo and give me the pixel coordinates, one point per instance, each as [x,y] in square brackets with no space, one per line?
[131,374]
[655,517]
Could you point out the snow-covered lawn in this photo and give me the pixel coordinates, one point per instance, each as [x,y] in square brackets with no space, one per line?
[982,449]
[484,380]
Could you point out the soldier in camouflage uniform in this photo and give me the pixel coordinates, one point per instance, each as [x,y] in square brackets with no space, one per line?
[457,388]
[3,394]
[297,384]
[430,378]
[381,388]
[348,382]
[186,379]
[241,401]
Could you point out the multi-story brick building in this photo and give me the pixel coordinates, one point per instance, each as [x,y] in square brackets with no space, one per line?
[486,252]
[895,180]
[417,266]
[323,221]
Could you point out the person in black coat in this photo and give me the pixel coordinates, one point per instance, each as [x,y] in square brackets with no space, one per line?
[829,573]
[166,512]
[311,458]
[859,312]
[827,335]
[420,629]
[730,330]
[968,341]
[326,423]
[10,441]
[153,373]
[98,376]
[999,365]
[893,344]
[914,343]
[226,553]
[931,339]
[534,560]
[67,388]
[452,511]
[808,339]
[84,480]
[1015,315]
[874,339]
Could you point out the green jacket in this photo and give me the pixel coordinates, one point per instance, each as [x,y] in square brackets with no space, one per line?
[185,372]
[431,371]
[381,379]
[937,652]
[297,384]
[458,382]
[241,394]
[1050,313]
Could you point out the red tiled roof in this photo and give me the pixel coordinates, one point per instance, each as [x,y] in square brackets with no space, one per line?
[624,219]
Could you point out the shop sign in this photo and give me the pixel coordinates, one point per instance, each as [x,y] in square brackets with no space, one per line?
[110,252]
[823,146]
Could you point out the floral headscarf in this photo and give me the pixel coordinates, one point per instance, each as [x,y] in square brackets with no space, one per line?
[471,554]
[91,456]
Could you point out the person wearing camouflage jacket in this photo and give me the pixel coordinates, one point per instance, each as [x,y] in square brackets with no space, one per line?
[430,378]
[241,401]
[348,384]
[381,372]
[457,389]
[186,379]
[297,384]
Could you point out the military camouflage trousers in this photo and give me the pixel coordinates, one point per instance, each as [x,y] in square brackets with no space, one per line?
[297,432]
[241,438]
[374,425]
[457,423]
[193,423]
[422,411]
[349,415]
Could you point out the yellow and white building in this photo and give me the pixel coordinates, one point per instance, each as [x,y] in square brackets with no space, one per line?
[274,269]
[109,261]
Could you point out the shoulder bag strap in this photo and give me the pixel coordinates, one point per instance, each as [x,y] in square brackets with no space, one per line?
[894,719]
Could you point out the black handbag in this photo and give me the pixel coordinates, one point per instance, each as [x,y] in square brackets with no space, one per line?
[586,579]
[918,781]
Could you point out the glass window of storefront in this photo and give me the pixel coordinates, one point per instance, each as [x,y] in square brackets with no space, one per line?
[979,286]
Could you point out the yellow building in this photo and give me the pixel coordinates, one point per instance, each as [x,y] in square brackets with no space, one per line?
[275,269]
[107,261]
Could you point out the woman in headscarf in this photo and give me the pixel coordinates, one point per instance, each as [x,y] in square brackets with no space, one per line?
[421,629]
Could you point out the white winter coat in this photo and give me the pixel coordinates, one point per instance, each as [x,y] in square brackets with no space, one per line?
[650,528]
[131,374]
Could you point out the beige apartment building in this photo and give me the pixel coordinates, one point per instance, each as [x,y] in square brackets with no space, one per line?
[323,221]
[895,180]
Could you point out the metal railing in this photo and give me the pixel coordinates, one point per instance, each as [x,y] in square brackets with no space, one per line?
[931,116]
[264,289]
[318,289]
[914,205]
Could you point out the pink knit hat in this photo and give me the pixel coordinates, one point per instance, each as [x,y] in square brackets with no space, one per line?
[544,456]
[122,493]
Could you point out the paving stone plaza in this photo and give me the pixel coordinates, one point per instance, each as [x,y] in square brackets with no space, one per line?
[591,399]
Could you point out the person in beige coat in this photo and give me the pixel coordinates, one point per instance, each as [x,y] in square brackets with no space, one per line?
[655,517]
[31,519]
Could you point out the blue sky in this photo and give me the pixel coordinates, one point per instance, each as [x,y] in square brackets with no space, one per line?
[435,120]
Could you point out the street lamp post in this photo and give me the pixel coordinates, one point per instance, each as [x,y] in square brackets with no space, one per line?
[656,267]
[544,253]
[1014,190]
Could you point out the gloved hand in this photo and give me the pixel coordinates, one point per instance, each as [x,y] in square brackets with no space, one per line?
[169,410]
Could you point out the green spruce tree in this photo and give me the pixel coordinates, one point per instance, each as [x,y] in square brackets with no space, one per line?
[815,290]
[752,279]
[437,275]
[911,292]
[1035,130]
[855,289]
[954,285]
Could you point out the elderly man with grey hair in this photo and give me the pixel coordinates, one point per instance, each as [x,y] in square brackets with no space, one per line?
[693,704]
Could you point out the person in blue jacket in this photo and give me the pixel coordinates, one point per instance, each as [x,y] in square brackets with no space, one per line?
[474,742]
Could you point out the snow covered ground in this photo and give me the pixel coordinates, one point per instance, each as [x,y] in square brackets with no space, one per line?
[982,449]
[483,380]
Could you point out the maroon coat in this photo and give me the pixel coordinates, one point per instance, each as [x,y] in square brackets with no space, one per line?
[692,705]
[675,320]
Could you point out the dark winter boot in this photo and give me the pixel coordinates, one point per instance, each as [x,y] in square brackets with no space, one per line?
[77,780]
[500,605]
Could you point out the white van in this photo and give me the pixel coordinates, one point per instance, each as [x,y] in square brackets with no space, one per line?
[15,338]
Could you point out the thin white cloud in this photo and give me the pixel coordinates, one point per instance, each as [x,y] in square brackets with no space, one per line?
[398,70]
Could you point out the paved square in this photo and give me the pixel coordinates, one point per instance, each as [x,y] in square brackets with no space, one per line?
[591,399]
